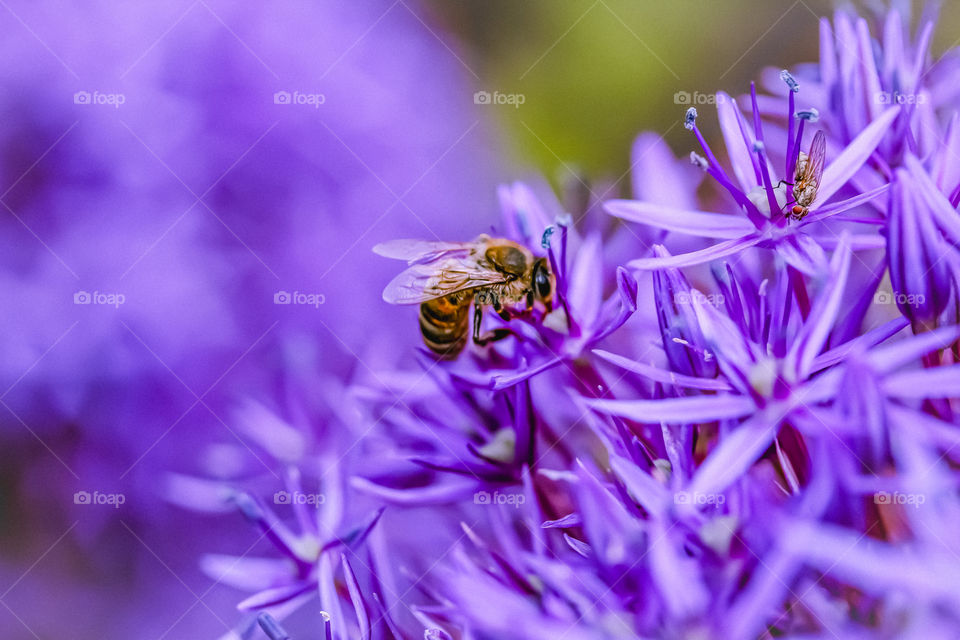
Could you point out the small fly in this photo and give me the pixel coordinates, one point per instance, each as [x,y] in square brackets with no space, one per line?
[806,177]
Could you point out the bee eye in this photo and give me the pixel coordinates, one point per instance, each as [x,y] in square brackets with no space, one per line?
[541,281]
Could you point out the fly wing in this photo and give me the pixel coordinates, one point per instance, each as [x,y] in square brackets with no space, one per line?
[421,282]
[815,160]
[424,251]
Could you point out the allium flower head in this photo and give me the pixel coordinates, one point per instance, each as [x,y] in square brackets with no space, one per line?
[755,438]
[862,74]
[758,191]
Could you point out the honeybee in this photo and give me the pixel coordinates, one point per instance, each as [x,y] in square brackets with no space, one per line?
[444,278]
[806,177]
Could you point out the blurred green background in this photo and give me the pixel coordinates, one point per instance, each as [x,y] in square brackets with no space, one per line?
[594,73]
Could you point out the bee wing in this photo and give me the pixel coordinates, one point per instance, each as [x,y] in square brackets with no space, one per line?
[421,282]
[815,159]
[424,251]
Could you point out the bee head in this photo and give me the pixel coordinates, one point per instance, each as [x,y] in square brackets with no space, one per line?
[543,282]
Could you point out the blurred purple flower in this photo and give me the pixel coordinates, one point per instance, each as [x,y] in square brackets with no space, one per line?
[163,200]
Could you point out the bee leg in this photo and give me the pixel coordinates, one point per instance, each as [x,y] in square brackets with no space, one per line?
[477,319]
[500,310]
[493,336]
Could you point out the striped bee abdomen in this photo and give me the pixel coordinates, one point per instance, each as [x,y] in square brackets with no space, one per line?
[444,324]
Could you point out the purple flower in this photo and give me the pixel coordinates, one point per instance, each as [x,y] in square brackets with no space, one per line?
[683,342]
[924,236]
[858,79]
[859,76]
[759,195]
[734,417]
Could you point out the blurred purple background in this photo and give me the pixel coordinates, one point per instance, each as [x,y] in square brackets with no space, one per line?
[158,193]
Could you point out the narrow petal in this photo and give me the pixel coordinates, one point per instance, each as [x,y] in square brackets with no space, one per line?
[247,573]
[702,224]
[813,336]
[445,492]
[662,375]
[581,547]
[891,357]
[804,254]
[844,166]
[585,290]
[570,520]
[735,454]
[355,536]
[359,607]
[279,438]
[647,491]
[677,574]
[944,434]
[943,213]
[863,342]
[823,213]
[275,596]
[199,494]
[738,143]
[941,382]
[701,256]
[678,410]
